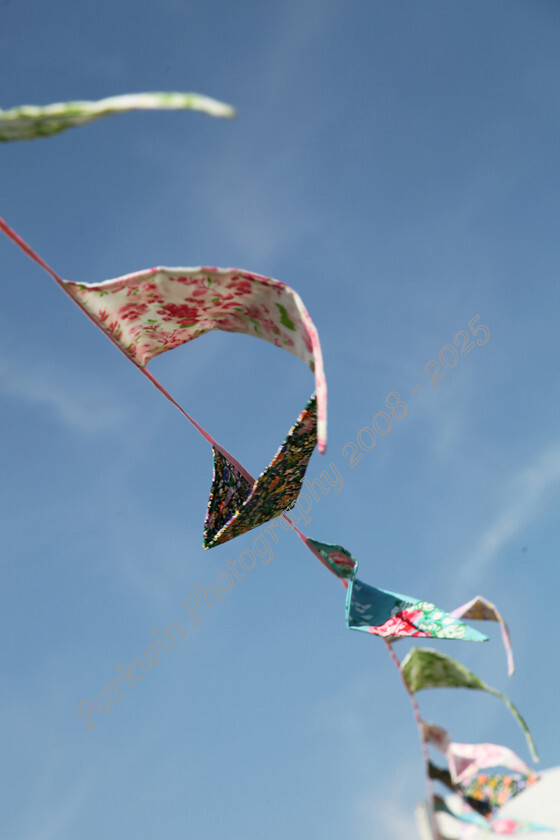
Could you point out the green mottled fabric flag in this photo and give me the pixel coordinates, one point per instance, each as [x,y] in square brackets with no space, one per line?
[426,668]
[28,122]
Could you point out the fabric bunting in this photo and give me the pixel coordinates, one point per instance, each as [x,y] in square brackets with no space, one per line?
[147,313]
[456,807]
[159,309]
[337,560]
[479,609]
[28,122]
[465,760]
[487,792]
[436,735]
[152,311]
[460,810]
[425,668]
[441,775]
[397,616]
[235,507]
[473,770]
[496,789]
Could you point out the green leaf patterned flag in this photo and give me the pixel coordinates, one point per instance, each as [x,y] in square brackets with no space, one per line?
[426,668]
[28,122]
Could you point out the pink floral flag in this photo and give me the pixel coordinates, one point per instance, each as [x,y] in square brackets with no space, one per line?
[479,609]
[152,311]
[475,770]
[465,760]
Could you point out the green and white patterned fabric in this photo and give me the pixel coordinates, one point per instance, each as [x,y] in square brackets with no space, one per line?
[27,122]
[427,668]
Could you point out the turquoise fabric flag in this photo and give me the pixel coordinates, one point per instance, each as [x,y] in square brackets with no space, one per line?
[395,616]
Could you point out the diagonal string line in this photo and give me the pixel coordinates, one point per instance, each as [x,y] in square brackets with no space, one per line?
[11,234]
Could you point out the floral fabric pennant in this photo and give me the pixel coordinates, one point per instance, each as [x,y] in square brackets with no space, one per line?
[229,491]
[159,309]
[241,508]
[397,616]
[28,122]
[473,770]
[149,312]
[480,609]
[495,789]
[337,559]
[425,668]
[466,760]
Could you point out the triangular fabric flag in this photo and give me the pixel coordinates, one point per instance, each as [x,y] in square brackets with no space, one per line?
[473,770]
[337,559]
[440,774]
[150,312]
[425,668]
[229,491]
[394,616]
[27,122]
[480,609]
[466,760]
[495,789]
[235,507]
[436,735]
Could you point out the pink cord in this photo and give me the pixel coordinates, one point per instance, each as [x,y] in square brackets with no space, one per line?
[425,753]
[11,234]
[34,256]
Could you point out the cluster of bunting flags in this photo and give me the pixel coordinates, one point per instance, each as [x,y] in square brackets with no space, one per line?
[149,312]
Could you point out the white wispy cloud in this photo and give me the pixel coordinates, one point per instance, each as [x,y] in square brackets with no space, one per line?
[525,494]
[251,192]
[76,405]
[54,822]
[387,813]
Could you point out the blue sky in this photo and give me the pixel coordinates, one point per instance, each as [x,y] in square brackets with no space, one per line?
[396,164]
